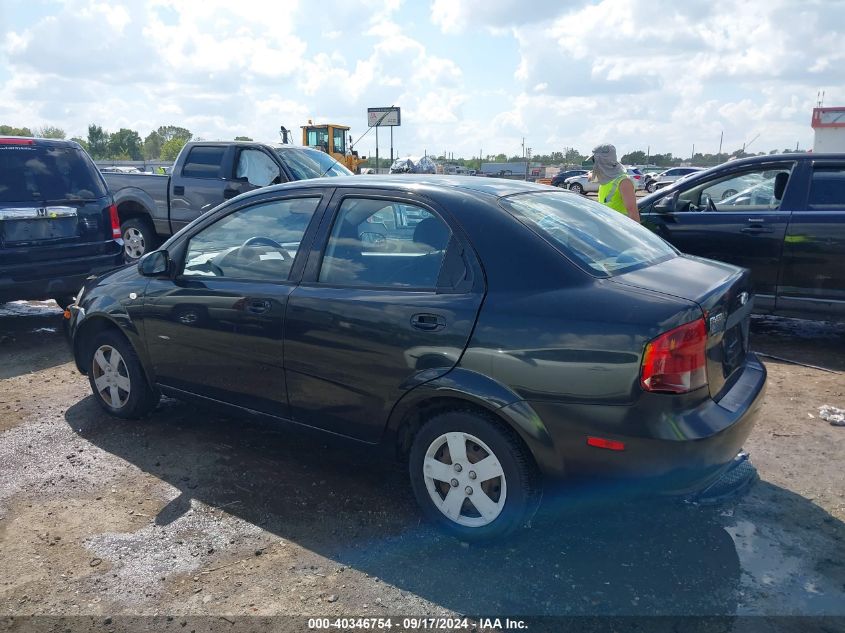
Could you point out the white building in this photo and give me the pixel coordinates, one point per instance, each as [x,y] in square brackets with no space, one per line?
[829,127]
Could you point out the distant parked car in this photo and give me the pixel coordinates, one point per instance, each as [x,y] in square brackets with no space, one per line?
[559,179]
[522,333]
[58,222]
[583,184]
[669,176]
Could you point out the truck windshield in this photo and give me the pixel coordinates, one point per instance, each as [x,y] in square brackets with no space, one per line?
[595,236]
[33,173]
[308,163]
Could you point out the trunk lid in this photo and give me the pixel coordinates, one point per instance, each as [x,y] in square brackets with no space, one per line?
[725,296]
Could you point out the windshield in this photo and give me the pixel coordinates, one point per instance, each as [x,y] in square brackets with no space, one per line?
[601,240]
[33,173]
[307,163]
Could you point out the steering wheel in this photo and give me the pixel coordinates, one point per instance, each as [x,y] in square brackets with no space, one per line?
[264,241]
[711,206]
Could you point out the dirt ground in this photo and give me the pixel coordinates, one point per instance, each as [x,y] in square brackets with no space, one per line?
[193,513]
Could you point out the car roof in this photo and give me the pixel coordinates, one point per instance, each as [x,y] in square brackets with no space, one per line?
[49,142]
[420,183]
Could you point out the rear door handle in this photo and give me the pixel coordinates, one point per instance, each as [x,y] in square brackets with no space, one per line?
[428,322]
[178,190]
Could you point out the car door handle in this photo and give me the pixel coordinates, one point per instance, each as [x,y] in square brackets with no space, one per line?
[428,322]
[178,190]
[258,306]
[755,226]
[230,193]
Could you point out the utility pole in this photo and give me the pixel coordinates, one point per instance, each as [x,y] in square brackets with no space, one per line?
[377,163]
[692,156]
[391,144]
[721,138]
[648,155]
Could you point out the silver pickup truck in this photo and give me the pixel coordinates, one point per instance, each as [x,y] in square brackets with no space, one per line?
[152,207]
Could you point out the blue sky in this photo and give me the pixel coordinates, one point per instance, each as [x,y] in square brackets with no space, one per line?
[469,75]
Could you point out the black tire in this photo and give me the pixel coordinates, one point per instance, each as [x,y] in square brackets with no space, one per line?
[577,188]
[651,187]
[727,193]
[521,483]
[139,238]
[64,300]
[140,398]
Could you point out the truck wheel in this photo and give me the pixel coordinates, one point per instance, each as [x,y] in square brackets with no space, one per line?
[472,477]
[117,379]
[139,238]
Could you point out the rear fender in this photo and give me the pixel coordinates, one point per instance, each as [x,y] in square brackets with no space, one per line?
[476,390]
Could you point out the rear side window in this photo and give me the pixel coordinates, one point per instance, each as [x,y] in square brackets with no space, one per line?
[204,161]
[33,173]
[601,240]
[827,190]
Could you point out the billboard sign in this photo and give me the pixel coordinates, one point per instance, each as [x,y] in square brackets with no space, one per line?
[383,117]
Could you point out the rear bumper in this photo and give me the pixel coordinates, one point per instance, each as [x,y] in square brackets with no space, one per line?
[52,278]
[675,451]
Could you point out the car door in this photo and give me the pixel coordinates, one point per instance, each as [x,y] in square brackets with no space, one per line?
[739,217]
[217,328]
[199,186]
[812,281]
[373,318]
[253,168]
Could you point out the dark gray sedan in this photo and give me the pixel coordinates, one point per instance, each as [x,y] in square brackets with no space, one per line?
[522,333]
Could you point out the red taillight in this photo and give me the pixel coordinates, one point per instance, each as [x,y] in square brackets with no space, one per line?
[115,222]
[675,362]
[16,141]
[600,442]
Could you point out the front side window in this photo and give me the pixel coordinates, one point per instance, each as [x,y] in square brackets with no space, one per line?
[258,168]
[591,234]
[204,161]
[370,245]
[827,189]
[755,189]
[257,242]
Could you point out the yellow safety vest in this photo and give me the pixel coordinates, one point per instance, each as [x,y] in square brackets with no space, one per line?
[610,194]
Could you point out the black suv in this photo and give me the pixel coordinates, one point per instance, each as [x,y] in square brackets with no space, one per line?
[58,222]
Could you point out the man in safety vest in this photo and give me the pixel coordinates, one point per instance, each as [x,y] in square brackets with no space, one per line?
[615,188]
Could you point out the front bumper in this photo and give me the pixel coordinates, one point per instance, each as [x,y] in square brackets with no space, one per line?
[673,450]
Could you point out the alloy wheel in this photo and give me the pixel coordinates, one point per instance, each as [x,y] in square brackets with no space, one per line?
[133,242]
[465,479]
[111,377]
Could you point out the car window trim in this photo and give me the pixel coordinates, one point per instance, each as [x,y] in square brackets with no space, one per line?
[310,277]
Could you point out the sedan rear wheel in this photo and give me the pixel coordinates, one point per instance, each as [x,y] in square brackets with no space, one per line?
[472,476]
[576,187]
[651,187]
[117,378]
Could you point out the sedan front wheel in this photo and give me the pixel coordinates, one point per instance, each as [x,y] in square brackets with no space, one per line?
[117,379]
[472,476]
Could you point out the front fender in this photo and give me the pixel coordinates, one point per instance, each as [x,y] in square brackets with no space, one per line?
[476,389]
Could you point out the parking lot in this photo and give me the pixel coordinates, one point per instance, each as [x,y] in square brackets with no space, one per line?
[195,513]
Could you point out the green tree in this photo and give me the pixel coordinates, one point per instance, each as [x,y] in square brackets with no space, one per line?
[49,131]
[169,132]
[634,158]
[98,142]
[242,138]
[8,130]
[125,144]
[152,145]
[170,150]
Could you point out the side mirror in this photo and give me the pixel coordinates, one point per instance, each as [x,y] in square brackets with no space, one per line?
[667,204]
[154,264]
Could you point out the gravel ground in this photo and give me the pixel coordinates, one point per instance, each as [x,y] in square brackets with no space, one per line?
[191,513]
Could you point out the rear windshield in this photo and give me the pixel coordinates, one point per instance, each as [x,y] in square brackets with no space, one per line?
[33,173]
[311,163]
[596,237]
